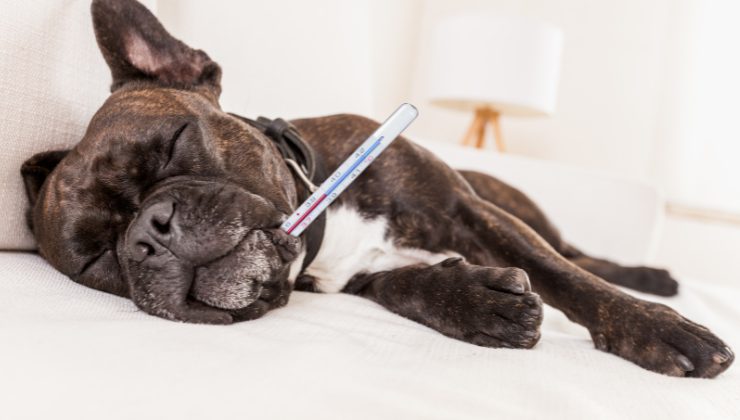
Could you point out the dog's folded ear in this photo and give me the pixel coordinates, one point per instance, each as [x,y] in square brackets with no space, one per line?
[137,47]
[35,171]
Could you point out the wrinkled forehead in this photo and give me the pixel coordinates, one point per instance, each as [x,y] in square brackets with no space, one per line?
[131,109]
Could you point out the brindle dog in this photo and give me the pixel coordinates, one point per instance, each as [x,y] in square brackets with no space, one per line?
[177,205]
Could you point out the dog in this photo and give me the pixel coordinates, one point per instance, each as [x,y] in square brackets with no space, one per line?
[177,205]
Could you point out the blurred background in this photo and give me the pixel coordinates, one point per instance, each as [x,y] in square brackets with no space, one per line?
[645,90]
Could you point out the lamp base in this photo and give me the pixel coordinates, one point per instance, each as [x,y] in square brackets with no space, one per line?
[476,134]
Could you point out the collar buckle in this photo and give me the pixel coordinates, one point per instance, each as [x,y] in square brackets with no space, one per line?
[300,172]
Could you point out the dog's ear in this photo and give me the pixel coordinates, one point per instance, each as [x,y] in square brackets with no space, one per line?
[137,47]
[36,169]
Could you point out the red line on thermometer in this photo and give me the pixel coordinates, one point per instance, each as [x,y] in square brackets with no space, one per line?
[307,213]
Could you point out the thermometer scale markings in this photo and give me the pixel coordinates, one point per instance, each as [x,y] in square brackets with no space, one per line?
[336,184]
[355,165]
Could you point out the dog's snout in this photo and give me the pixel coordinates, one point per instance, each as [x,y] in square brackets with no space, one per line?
[152,231]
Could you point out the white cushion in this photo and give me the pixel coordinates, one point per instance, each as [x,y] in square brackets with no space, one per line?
[72,352]
[52,80]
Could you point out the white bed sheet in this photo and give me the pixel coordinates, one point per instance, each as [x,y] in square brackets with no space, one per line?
[71,352]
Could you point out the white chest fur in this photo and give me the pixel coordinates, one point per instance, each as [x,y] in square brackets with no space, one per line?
[353,244]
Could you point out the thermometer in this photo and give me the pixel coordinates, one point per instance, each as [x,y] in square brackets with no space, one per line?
[349,170]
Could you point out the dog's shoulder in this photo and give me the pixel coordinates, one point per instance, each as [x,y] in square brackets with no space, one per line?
[335,122]
[337,127]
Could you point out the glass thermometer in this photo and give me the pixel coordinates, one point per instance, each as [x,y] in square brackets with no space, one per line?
[349,170]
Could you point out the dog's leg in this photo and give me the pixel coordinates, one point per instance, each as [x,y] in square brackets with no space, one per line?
[650,334]
[492,307]
[643,279]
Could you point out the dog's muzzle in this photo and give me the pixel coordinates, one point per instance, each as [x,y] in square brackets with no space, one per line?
[204,240]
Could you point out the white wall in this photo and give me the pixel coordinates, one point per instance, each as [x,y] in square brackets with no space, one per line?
[619,109]
[295,58]
[395,36]
[698,136]
[281,57]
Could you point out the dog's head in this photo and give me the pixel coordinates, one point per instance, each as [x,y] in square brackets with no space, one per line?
[166,199]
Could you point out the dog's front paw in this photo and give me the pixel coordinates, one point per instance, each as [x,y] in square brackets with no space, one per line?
[495,306]
[657,338]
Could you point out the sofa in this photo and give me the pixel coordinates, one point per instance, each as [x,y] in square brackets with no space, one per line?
[67,351]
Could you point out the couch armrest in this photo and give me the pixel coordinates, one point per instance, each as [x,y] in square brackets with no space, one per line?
[604,216]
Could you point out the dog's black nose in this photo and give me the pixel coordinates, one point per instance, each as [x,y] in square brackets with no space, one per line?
[152,230]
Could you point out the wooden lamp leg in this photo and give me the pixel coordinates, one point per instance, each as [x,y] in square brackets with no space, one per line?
[493,117]
[480,137]
[476,133]
[471,135]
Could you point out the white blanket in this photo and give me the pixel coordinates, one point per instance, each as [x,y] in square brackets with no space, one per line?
[67,351]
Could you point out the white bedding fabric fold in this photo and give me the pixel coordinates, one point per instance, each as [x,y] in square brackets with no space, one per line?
[67,351]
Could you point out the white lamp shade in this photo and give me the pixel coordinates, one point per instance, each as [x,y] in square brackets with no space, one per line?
[509,64]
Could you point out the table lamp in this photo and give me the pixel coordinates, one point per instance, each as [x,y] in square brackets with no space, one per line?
[494,65]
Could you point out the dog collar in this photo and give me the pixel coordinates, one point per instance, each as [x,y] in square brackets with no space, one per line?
[305,165]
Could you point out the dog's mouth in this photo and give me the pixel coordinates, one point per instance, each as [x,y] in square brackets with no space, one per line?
[252,270]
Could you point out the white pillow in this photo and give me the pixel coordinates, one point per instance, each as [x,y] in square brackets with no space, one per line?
[52,80]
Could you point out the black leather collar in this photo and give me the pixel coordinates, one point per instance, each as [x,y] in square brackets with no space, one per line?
[307,167]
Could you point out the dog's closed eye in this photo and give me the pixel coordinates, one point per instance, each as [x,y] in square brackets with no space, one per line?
[173,144]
